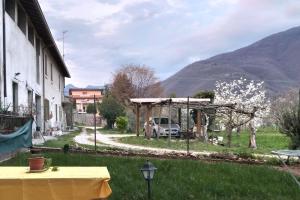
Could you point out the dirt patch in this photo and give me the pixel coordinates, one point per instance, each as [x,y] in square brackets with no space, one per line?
[294,169]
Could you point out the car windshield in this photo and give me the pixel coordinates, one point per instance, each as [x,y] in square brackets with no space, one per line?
[163,121]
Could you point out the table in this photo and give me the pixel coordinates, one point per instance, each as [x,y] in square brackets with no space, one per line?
[68,183]
[288,154]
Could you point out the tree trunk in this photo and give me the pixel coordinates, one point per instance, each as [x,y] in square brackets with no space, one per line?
[238,130]
[252,136]
[229,130]
[110,124]
[205,128]
[229,135]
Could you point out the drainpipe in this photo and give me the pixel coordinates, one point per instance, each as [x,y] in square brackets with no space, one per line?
[4,50]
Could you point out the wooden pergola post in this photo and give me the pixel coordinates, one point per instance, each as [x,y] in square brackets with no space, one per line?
[179,117]
[159,122]
[148,115]
[169,122]
[137,126]
[188,125]
[199,132]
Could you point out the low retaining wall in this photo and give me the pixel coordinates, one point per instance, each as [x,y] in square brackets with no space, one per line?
[87,119]
[123,153]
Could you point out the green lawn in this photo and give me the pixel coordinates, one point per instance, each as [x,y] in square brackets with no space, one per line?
[183,179]
[69,139]
[267,139]
[62,140]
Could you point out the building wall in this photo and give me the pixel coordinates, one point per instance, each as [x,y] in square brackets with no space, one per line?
[88,119]
[1,58]
[21,58]
[84,97]
[86,93]
[54,92]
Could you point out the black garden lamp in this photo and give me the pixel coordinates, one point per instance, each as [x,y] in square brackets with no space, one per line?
[148,171]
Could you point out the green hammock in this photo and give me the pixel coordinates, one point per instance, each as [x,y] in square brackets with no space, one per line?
[22,138]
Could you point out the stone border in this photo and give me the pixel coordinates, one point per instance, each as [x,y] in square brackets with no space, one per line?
[122,153]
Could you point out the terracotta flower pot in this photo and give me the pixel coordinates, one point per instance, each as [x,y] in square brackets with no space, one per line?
[36,163]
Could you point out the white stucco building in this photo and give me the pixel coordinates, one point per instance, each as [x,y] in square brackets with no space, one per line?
[33,72]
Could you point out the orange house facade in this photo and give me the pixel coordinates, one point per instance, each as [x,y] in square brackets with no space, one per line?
[84,97]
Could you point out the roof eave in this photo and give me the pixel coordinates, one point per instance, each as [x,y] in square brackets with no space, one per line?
[38,19]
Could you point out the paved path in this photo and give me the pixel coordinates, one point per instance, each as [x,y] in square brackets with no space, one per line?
[109,139]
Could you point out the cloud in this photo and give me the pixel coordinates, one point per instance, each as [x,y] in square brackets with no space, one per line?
[89,11]
[293,10]
[246,22]
[218,3]
[163,34]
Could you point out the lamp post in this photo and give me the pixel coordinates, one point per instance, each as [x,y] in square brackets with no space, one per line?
[148,171]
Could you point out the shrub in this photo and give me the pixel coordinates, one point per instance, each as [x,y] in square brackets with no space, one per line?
[66,148]
[287,115]
[91,108]
[110,108]
[122,123]
[246,155]
[273,161]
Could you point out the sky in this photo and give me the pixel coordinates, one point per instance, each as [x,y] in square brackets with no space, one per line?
[166,35]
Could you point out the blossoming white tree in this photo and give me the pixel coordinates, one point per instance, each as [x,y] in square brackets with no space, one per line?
[249,105]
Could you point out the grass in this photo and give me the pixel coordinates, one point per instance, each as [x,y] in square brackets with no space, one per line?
[183,179]
[267,139]
[69,139]
[62,140]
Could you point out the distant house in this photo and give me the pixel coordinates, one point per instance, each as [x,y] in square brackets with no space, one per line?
[82,97]
[33,71]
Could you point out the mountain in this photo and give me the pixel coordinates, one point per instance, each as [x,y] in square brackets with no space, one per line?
[67,88]
[95,87]
[274,59]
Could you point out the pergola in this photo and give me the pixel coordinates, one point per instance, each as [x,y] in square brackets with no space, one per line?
[179,103]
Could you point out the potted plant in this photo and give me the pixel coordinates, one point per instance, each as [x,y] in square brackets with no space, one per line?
[36,162]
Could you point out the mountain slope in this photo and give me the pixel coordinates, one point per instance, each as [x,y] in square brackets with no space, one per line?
[274,59]
[67,88]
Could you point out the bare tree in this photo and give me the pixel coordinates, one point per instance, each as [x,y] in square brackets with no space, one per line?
[135,81]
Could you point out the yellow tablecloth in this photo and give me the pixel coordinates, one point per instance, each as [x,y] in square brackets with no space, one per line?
[68,183]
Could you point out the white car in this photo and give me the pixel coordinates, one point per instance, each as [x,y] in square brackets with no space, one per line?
[164,127]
